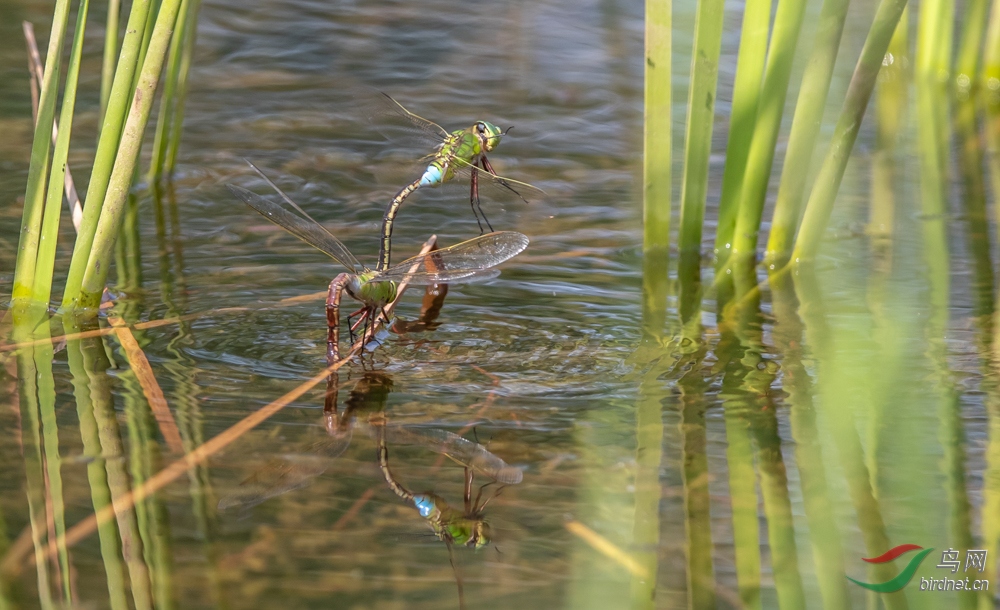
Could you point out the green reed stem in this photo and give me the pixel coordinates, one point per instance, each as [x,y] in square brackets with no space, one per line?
[991,52]
[90,385]
[96,271]
[934,38]
[824,534]
[971,44]
[44,264]
[746,94]
[698,527]
[831,347]
[34,196]
[805,128]
[971,164]
[177,122]
[859,91]
[169,99]
[700,118]
[737,405]
[107,149]
[777,73]
[890,110]
[110,50]
[656,135]
[648,492]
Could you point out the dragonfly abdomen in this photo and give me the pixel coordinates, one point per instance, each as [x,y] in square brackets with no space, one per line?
[385,247]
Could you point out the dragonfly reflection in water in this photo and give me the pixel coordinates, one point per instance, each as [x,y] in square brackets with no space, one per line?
[458,153]
[290,471]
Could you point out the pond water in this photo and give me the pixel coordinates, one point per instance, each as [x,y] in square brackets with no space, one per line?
[736,457]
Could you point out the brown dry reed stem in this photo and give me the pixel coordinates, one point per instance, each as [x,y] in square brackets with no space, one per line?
[606,548]
[150,388]
[198,456]
[352,512]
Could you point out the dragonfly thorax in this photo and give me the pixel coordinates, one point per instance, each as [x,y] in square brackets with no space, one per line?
[372,292]
[450,525]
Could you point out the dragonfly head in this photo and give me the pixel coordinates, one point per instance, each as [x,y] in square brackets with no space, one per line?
[489,134]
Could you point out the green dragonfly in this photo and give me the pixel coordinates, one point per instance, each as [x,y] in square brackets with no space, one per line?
[463,528]
[467,261]
[457,153]
[467,527]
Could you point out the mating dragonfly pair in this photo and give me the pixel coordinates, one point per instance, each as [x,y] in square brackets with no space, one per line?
[460,153]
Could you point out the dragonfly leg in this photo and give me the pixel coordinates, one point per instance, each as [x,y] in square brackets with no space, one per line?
[351,325]
[486,165]
[474,196]
[333,317]
[467,496]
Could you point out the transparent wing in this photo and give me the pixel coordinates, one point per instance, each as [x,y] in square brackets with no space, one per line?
[396,123]
[306,229]
[278,476]
[465,260]
[462,450]
[499,188]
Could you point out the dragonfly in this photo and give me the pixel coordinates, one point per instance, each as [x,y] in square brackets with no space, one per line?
[470,260]
[464,528]
[458,153]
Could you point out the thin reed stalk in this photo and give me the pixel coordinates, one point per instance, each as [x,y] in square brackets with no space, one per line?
[45,263]
[35,67]
[890,110]
[859,91]
[169,101]
[648,492]
[700,119]
[935,27]
[80,355]
[107,149]
[831,348]
[108,64]
[743,117]
[970,46]
[38,168]
[805,128]
[777,73]
[824,533]
[701,583]
[991,52]
[96,271]
[656,135]
[177,122]
[736,406]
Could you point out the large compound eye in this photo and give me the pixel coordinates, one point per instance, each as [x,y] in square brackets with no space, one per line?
[480,127]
